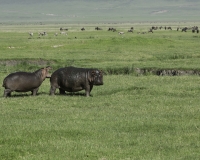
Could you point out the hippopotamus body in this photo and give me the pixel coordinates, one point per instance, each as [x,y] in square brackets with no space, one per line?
[25,81]
[72,79]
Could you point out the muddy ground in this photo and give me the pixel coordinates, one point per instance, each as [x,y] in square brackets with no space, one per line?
[138,71]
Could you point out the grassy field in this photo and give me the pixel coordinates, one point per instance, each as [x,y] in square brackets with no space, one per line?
[162,49]
[130,117]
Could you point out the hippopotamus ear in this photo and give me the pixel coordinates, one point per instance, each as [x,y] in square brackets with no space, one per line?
[47,71]
[48,67]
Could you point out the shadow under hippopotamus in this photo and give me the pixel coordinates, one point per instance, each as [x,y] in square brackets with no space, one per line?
[73,94]
[45,93]
[25,94]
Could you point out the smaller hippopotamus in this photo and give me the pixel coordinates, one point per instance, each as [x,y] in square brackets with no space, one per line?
[25,81]
[72,79]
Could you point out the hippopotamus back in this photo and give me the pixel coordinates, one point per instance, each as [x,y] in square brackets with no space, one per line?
[72,79]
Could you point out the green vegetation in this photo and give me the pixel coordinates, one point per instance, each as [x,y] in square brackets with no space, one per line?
[130,117]
[103,49]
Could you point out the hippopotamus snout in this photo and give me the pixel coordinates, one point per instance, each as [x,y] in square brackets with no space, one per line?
[98,78]
[98,83]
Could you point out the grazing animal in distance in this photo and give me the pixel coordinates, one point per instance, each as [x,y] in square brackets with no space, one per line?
[42,33]
[130,30]
[97,28]
[63,29]
[184,29]
[112,29]
[169,28]
[150,30]
[121,32]
[31,34]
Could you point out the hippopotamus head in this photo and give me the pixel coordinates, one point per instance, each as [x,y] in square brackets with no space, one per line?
[96,77]
[45,72]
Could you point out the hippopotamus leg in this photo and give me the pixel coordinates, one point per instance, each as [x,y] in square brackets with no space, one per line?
[34,91]
[87,93]
[88,90]
[91,88]
[52,90]
[62,91]
[7,92]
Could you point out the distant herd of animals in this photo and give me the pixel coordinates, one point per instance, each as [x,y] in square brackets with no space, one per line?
[70,79]
[131,30]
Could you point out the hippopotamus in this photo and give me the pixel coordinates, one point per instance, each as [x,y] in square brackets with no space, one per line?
[25,81]
[72,79]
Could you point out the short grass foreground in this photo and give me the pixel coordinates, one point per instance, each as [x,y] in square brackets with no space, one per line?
[130,117]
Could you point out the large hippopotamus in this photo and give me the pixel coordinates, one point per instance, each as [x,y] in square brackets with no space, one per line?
[25,81]
[72,79]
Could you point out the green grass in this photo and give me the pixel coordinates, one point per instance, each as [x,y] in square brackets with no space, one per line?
[130,117]
[162,49]
[147,117]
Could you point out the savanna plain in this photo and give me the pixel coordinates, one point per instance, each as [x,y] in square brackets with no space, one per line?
[134,115]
